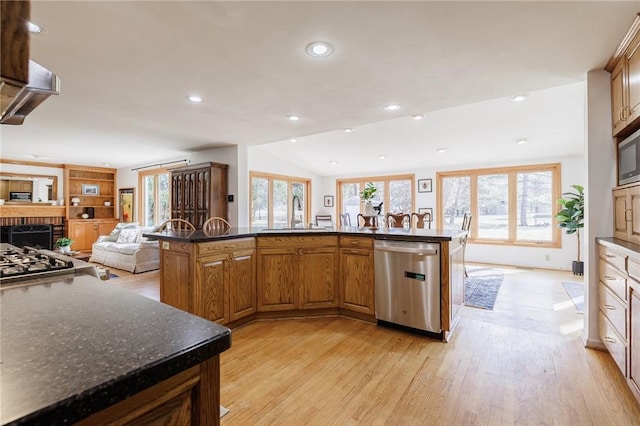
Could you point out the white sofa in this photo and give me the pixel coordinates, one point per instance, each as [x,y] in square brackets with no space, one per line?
[125,248]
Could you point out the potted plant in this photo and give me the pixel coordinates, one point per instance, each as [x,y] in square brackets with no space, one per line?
[571,218]
[63,244]
[367,195]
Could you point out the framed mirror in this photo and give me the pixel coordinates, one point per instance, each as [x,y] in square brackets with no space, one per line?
[126,198]
[21,188]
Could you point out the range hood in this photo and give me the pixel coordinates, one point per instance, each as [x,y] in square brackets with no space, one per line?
[42,84]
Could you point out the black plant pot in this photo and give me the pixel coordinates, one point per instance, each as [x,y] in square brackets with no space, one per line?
[577,267]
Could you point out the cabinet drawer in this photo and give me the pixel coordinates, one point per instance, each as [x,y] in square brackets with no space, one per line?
[615,344]
[297,241]
[356,242]
[616,259]
[633,268]
[614,310]
[214,247]
[613,279]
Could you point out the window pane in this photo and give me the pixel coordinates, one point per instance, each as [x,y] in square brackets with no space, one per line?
[298,208]
[259,202]
[280,204]
[535,201]
[455,200]
[351,200]
[164,200]
[149,200]
[493,206]
[400,196]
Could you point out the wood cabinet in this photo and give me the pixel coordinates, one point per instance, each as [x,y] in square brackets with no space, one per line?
[20,186]
[93,186]
[625,82]
[626,201]
[199,192]
[619,302]
[85,232]
[214,280]
[14,50]
[297,272]
[356,274]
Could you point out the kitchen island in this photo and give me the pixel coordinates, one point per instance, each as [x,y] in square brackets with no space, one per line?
[78,350]
[241,274]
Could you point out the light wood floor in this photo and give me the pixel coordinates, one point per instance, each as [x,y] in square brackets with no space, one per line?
[522,363]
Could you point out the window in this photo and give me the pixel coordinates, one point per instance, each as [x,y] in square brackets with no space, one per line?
[395,192]
[156,196]
[514,205]
[278,201]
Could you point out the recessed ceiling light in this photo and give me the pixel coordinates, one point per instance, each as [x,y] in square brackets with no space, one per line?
[293,117]
[333,162]
[418,116]
[392,107]
[521,141]
[34,28]
[319,49]
[348,130]
[382,157]
[194,99]
[441,150]
[106,164]
[293,140]
[519,98]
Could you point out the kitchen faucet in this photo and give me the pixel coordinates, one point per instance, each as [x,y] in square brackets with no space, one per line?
[295,204]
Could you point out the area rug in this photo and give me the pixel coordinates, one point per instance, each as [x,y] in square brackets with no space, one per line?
[481,287]
[576,293]
[112,275]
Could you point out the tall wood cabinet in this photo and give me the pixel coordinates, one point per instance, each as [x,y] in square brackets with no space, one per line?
[199,192]
[624,67]
[95,188]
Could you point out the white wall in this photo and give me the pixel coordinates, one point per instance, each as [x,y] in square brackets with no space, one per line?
[601,163]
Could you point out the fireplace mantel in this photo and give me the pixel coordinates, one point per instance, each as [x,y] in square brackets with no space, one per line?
[31,210]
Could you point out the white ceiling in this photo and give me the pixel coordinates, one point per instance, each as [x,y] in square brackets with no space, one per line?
[127,66]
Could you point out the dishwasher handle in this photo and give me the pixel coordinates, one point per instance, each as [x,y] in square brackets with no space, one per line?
[410,250]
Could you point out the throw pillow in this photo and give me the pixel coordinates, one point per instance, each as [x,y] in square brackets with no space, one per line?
[113,237]
[128,235]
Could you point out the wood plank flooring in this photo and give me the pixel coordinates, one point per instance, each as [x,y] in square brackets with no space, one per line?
[522,363]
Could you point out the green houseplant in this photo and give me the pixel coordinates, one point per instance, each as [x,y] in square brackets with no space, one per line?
[366,195]
[64,244]
[571,219]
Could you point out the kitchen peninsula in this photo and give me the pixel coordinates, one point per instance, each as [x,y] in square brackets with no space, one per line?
[241,274]
[77,350]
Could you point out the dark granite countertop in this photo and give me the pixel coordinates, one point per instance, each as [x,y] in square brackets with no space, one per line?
[200,236]
[75,345]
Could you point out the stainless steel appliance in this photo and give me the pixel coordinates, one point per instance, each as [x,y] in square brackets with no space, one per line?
[629,159]
[19,196]
[19,264]
[407,284]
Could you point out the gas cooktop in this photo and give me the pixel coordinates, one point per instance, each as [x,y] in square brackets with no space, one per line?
[20,263]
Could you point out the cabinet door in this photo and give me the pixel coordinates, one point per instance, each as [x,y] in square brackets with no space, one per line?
[633,201]
[83,234]
[318,268]
[618,96]
[633,79]
[634,340]
[357,283]
[620,223]
[277,279]
[242,292]
[177,196]
[211,288]
[105,228]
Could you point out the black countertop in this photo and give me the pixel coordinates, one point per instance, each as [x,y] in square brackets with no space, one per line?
[200,236]
[75,345]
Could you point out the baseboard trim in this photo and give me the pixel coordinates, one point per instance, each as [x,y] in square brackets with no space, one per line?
[594,344]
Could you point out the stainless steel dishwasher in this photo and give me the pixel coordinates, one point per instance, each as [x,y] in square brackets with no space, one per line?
[407,283]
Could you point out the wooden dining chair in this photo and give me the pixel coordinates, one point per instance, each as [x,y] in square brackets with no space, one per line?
[176,225]
[370,221]
[396,220]
[466,226]
[216,224]
[421,220]
[345,219]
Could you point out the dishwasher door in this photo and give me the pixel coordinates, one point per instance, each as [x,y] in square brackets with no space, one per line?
[407,284]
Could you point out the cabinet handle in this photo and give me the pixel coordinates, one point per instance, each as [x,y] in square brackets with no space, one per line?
[610,339]
[609,278]
[610,307]
[356,243]
[354,252]
[237,259]
[609,256]
[219,262]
